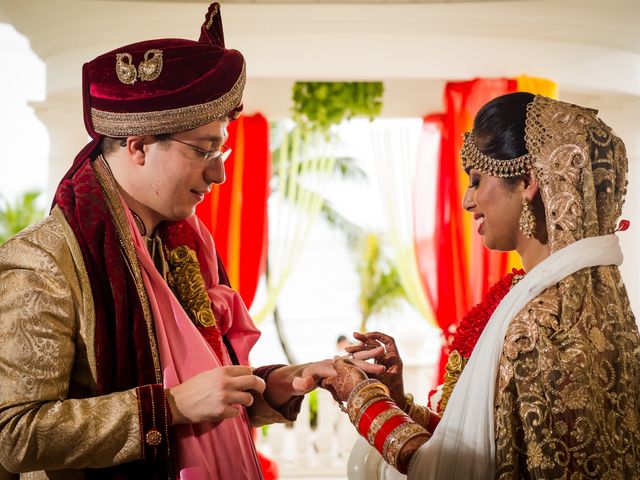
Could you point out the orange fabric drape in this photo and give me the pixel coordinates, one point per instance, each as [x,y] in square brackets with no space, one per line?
[455,267]
[236,212]
[461,268]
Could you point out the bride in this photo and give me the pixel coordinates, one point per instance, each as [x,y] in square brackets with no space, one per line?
[552,388]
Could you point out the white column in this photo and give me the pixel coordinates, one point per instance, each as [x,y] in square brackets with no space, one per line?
[61,113]
[623,115]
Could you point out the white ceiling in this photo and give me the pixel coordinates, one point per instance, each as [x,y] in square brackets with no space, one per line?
[587,46]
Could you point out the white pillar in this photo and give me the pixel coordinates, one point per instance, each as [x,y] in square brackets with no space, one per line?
[61,113]
[622,113]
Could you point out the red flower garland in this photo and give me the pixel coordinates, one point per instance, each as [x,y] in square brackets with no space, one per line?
[473,323]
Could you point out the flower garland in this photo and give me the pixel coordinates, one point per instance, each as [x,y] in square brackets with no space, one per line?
[473,323]
[467,334]
[187,282]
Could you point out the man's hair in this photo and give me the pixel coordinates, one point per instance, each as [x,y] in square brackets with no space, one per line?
[108,145]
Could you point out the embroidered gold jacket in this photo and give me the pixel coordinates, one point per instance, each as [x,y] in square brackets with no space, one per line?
[51,423]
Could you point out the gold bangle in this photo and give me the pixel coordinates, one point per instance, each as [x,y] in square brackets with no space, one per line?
[379,421]
[357,404]
[397,439]
[362,393]
[361,385]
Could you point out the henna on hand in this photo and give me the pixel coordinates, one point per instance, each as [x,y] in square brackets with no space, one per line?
[348,376]
[390,359]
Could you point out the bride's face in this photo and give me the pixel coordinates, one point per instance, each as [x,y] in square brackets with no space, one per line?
[496,205]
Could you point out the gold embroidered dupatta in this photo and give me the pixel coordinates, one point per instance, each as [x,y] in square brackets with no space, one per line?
[568,392]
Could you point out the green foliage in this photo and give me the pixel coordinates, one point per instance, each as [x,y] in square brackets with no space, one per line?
[313,408]
[19,215]
[380,286]
[319,105]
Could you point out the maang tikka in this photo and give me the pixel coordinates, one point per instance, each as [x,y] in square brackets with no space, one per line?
[527,221]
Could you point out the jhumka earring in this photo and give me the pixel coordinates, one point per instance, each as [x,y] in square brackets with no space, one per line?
[527,221]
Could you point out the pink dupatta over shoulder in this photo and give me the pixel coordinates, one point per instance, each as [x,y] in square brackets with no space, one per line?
[204,451]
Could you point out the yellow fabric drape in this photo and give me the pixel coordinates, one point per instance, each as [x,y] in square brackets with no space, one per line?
[537,86]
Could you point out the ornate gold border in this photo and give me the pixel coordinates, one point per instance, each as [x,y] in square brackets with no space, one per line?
[168,121]
[114,203]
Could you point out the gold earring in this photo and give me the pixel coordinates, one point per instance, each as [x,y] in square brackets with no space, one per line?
[527,221]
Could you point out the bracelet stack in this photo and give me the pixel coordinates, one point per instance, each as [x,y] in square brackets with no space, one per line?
[378,419]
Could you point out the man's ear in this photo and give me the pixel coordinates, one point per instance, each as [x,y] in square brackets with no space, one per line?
[135,146]
[531,187]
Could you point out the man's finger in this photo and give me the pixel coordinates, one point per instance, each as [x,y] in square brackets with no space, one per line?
[247,382]
[240,398]
[360,348]
[302,385]
[237,370]
[367,354]
[369,367]
[319,370]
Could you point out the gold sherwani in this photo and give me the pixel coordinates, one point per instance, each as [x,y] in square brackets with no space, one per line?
[48,418]
[51,423]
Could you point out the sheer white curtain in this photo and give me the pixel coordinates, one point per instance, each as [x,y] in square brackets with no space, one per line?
[395,152]
[304,170]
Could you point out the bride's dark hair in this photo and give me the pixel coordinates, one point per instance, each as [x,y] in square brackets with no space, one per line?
[498,129]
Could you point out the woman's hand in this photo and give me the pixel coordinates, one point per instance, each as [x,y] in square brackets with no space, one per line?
[348,376]
[389,358]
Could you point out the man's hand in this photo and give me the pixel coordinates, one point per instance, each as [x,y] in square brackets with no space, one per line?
[286,382]
[211,395]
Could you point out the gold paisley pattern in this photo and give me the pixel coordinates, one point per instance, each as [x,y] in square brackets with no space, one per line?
[47,370]
[567,402]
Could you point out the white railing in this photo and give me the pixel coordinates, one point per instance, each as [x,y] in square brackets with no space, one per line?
[323,452]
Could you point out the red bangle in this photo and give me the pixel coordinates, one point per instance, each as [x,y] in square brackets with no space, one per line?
[388,427]
[372,412]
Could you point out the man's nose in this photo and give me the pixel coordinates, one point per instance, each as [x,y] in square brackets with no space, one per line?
[214,172]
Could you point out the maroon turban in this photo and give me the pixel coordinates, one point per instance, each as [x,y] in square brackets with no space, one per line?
[161,86]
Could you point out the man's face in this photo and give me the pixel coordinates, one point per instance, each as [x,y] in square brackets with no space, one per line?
[175,177]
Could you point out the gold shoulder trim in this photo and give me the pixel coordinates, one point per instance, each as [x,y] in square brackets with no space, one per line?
[168,121]
[88,322]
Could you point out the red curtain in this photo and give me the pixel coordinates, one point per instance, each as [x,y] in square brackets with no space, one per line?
[236,211]
[455,268]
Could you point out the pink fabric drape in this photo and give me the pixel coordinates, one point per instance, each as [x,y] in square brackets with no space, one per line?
[213,451]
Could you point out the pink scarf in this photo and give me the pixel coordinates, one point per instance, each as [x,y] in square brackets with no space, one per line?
[204,451]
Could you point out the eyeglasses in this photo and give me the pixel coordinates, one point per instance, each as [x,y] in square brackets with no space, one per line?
[207,156]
